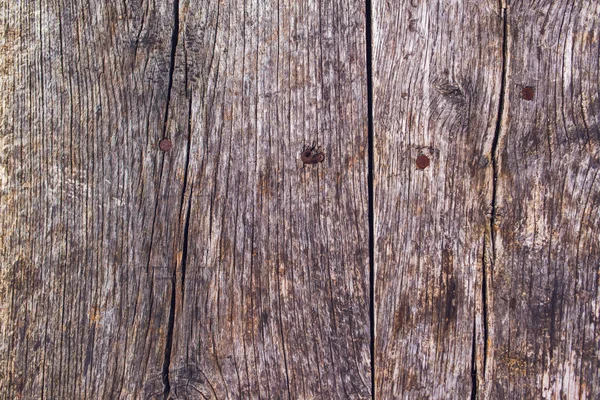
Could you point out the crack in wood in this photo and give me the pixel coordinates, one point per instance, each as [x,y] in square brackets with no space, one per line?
[474,362]
[171,323]
[369,67]
[489,261]
[186,224]
[499,120]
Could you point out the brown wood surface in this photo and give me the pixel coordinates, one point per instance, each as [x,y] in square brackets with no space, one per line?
[161,236]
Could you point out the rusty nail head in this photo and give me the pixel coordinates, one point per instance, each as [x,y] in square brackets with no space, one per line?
[422,161]
[528,93]
[165,145]
[312,155]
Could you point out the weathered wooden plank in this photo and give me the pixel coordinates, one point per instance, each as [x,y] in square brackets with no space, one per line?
[110,241]
[86,249]
[544,296]
[217,265]
[272,292]
[437,69]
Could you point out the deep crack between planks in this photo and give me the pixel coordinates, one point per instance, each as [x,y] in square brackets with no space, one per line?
[369,65]
[171,323]
[474,362]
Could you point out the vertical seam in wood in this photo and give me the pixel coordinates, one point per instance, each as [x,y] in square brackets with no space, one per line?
[499,121]
[474,357]
[171,322]
[186,222]
[43,126]
[490,260]
[369,66]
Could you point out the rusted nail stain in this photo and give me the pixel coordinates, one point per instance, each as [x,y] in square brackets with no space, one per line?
[312,155]
[527,93]
[422,161]
[165,145]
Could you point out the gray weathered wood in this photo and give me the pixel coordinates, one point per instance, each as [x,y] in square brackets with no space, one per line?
[217,265]
[84,198]
[437,70]
[272,283]
[527,275]
[544,297]
[219,268]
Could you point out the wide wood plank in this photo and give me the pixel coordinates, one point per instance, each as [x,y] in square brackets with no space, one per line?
[272,295]
[544,295]
[86,245]
[437,69]
[160,235]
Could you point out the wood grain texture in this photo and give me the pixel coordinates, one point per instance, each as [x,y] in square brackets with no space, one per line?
[437,69]
[272,293]
[84,223]
[544,297]
[221,268]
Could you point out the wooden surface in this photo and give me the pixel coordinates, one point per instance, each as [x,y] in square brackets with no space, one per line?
[486,261]
[437,71]
[272,292]
[221,268]
[85,222]
[544,295]
[160,236]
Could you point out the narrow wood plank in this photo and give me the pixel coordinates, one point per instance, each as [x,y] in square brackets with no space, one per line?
[437,69]
[85,243]
[272,293]
[545,300]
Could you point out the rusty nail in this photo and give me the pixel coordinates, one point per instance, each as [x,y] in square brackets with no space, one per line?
[527,93]
[312,155]
[165,145]
[422,161]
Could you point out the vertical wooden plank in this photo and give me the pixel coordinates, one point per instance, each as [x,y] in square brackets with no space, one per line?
[85,240]
[272,280]
[545,343]
[437,69]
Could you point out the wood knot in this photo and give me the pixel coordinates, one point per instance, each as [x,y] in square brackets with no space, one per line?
[453,93]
